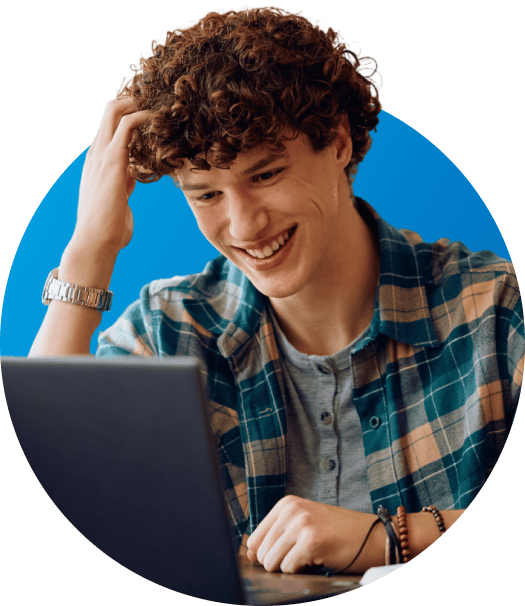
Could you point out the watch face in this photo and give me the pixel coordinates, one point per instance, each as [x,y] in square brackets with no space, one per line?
[109,299]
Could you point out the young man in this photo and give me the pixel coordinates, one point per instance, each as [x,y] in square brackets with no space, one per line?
[349,365]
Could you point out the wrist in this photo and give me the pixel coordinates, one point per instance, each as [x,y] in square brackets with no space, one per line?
[423,529]
[373,553]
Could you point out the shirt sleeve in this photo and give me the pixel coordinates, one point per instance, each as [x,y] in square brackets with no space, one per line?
[516,354]
[131,334]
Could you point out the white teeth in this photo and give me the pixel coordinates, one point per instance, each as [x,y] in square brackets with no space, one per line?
[268,251]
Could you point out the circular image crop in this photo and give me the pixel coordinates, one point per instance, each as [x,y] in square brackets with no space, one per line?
[449,346]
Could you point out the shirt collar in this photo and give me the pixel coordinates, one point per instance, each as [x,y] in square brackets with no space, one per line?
[401,309]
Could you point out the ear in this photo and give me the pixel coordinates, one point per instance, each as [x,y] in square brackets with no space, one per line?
[343,140]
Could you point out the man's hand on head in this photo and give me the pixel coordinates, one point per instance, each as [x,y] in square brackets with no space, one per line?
[104,218]
[298,533]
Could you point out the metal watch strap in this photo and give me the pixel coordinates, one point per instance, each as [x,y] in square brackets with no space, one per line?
[55,289]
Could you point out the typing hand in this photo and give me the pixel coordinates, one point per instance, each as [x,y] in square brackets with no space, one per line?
[298,533]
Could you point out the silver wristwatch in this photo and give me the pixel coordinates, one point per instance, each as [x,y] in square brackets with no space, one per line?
[55,289]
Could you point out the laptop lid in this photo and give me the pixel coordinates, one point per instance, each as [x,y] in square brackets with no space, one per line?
[119,445]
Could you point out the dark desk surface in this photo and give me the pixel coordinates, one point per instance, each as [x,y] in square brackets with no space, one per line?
[307,583]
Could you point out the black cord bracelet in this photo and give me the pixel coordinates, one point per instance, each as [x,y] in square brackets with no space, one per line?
[329,571]
[384,515]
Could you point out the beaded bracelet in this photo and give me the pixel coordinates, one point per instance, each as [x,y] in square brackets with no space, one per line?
[435,512]
[403,533]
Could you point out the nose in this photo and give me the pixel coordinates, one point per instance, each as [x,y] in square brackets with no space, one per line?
[248,216]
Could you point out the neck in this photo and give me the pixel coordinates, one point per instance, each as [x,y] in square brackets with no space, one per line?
[336,307]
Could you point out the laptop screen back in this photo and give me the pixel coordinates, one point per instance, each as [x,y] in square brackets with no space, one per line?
[122,447]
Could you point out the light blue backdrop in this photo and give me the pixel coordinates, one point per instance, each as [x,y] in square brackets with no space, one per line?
[404,177]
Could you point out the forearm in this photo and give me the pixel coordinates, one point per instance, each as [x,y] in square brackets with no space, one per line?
[423,529]
[104,226]
[67,329]
[298,533]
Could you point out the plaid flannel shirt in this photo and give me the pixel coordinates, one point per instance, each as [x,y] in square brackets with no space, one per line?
[436,381]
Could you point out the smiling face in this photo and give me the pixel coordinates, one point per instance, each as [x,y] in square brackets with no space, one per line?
[277,216]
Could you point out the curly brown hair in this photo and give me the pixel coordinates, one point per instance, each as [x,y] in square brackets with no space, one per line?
[242,79]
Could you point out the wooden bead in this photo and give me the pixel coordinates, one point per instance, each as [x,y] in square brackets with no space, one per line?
[437,516]
[403,533]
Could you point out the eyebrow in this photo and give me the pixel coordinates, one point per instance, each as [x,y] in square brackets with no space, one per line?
[259,165]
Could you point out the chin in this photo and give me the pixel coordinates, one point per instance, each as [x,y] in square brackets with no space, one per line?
[276,288]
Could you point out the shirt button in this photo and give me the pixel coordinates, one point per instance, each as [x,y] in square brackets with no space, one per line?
[323,369]
[375,422]
[329,464]
[326,418]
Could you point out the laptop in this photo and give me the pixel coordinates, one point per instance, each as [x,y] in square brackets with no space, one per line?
[124,449]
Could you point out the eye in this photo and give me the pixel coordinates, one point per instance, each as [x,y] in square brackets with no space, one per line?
[268,175]
[207,196]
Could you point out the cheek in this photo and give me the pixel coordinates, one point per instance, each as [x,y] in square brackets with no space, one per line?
[318,198]
[299,188]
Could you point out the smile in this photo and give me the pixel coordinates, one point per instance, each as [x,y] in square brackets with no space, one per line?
[270,249]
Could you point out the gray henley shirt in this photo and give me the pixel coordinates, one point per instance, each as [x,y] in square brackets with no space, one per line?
[325,458]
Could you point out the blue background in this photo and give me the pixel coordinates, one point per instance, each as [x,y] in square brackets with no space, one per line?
[404,177]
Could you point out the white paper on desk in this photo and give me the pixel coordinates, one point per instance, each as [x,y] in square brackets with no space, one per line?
[372,574]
